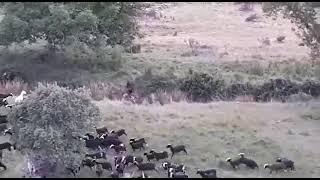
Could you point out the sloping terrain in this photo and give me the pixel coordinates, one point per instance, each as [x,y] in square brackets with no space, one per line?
[222,34]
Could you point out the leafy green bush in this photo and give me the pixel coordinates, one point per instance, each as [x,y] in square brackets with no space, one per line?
[46,123]
[201,87]
[150,83]
[60,22]
[80,30]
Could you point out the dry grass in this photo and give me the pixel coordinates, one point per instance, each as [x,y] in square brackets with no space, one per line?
[246,7]
[100,90]
[207,24]
[14,87]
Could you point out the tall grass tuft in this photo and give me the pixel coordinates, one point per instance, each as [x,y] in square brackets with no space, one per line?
[14,87]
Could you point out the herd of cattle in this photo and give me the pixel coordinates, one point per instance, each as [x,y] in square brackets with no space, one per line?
[102,142]
[106,141]
[4,128]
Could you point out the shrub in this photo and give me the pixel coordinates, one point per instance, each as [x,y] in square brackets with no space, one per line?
[201,87]
[75,30]
[59,22]
[100,90]
[149,83]
[255,69]
[45,125]
[84,57]
[234,90]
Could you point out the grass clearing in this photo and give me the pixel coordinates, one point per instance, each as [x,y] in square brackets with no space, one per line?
[212,132]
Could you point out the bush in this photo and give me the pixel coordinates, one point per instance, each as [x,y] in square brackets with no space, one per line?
[234,90]
[45,125]
[75,30]
[84,57]
[201,87]
[61,22]
[150,83]
[100,90]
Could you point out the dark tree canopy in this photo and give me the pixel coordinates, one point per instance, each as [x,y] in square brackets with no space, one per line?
[61,23]
[46,123]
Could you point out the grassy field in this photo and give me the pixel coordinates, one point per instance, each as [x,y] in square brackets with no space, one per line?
[212,132]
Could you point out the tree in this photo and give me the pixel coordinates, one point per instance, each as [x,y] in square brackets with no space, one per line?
[62,22]
[303,15]
[46,123]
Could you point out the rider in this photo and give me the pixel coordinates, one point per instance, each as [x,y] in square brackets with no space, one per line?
[129,96]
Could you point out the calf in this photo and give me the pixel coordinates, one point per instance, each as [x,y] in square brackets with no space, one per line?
[119,132]
[248,162]
[110,135]
[114,174]
[209,173]
[89,163]
[97,155]
[149,156]
[138,159]
[288,163]
[90,136]
[234,163]
[8,131]
[138,140]
[176,149]
[93,143]
[3,119]
[131,159]
[137,145]
[74,171]
[105,165]
[3,127]
[108,141]
[118,159]
[160,155]
[101,130]
[177,168]
[7,145]
[128,159]
[2,165]
[275,167]
[3,102]
[3,96]
[99,170]
[173,174]
[120,168]
[146,166]
[118,149]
